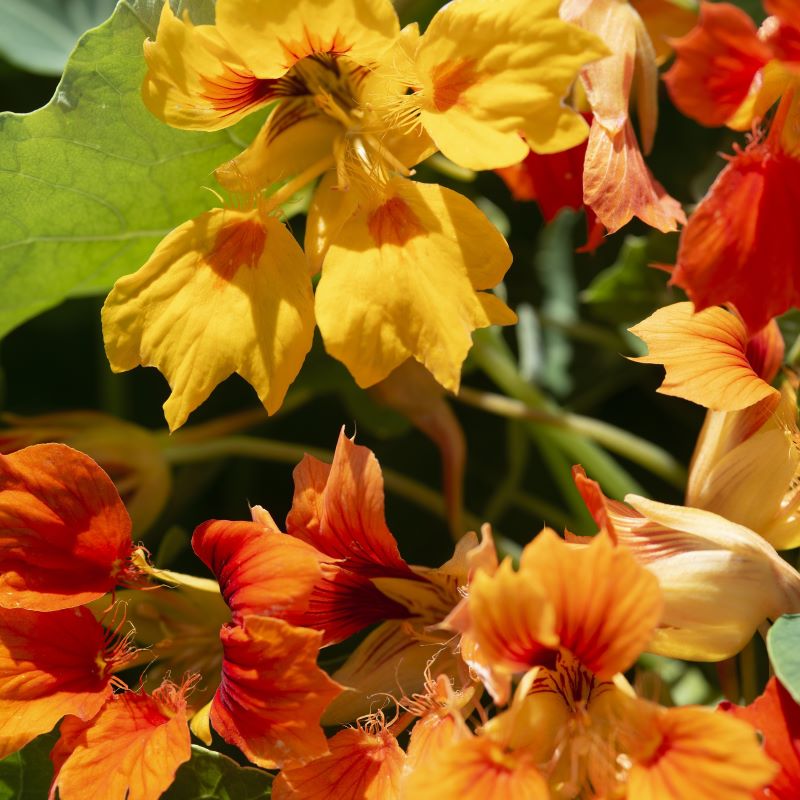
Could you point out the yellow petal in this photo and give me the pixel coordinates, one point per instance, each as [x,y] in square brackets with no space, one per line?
[665,20]
[226,292]
[704,355]
[272,35]
[488,72]
[196,80]
[330,208]
[296,135]
[399,280]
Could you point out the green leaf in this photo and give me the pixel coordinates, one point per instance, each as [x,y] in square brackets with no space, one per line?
[783,646]
[26,774]
[38,35]
[91,182]
[629,290]
[213,776]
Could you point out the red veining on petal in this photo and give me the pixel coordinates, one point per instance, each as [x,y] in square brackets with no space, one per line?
[234,91]
[394,222]
[238,244]
[450,80]
[312,44]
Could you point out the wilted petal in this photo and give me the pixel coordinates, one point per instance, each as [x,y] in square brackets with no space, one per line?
[65,536]
[272,692]
[129,751]
[228,291]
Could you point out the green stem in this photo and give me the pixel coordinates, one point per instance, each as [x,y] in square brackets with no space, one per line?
[619,441]
[289,453]
[492,354]
[749,673]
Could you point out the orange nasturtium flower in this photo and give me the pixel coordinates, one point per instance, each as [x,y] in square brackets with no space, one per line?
[568,621]
[405,266]
[741,244]
[747,459]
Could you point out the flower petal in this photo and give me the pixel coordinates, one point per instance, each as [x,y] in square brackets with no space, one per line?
[272,35]
[272,692]
[399,280]
[705,357]
[65,536]
[51,664]
[196,80]
[361,765]
[129,751]
[488,73]
[715,64]
[228,291]
[260,571]
[741,244]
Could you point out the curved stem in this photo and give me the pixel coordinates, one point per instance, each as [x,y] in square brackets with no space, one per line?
[619,441]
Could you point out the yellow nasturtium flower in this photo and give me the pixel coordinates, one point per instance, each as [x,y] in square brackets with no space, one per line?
[358,102]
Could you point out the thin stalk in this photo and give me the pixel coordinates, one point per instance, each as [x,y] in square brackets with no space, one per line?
[646,454]
[292,187]
[749,672]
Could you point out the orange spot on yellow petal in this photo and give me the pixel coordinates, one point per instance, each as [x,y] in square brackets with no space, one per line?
[394,222]
[238,244]
[450,80]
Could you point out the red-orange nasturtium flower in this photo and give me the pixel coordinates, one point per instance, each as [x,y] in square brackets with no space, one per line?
[568,621]
[741,244]
[776,716]
[65,536]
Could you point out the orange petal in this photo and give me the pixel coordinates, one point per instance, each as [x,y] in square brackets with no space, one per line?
[272,692]
[715,64]
[698,755]
[65,537]
[704,355]
[477,769]
[665,20]
[260,571]
[339,510]
[617,185]
[606,605]
[129,751]
[741,245]
[361,765]
[51,664]
[776,716]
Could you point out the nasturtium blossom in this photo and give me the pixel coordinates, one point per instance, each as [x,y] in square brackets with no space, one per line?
[65,536]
